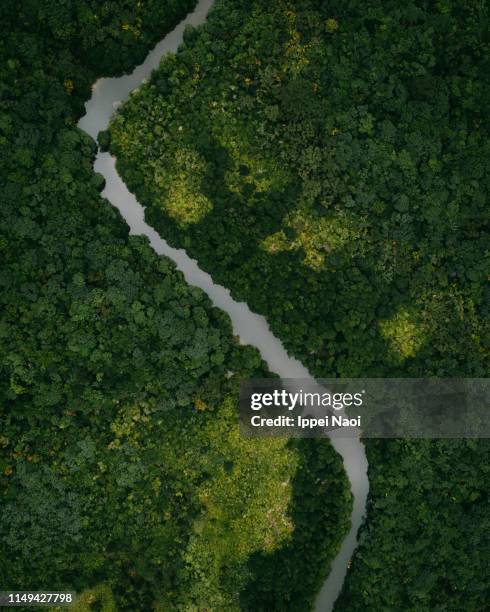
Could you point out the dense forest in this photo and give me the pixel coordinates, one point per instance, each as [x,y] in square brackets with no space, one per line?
[328,162]
[122,474]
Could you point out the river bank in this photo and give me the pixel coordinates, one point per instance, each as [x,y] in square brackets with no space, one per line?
[107,95]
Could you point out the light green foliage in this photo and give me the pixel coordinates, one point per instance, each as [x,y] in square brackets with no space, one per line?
[403,334]
[183,199]
[100,596]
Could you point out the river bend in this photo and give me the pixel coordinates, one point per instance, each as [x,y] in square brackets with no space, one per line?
[107,95]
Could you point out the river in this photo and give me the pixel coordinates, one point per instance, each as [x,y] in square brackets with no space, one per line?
[107,95]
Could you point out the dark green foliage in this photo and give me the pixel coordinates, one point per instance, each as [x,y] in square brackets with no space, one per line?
[328,162]
[104,140]
[427,544]
[122,475]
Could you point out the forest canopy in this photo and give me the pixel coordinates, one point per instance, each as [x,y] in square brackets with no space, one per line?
[328,162]
[122,475]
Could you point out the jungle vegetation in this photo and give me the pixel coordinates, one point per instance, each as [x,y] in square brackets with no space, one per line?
[328,162]
[122,474]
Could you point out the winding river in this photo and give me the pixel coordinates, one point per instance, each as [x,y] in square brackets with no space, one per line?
[107,95]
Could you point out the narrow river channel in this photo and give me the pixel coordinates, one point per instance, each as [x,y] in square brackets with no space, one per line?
[107,95]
